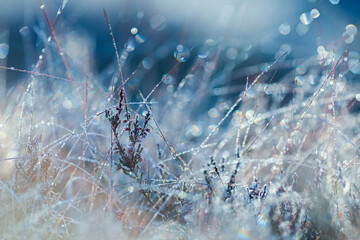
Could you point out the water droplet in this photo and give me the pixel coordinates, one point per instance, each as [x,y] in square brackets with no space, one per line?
[131,189]
[124,56]
[140,14]
[203,52]
[250,115]
[24,31]
[148,63]
[302,29]
[158,22]
[299,80]
[348,38]
[312,79]
[314,13]
[354,65]
[284,28]
[67,104]
[139,38]
[210,42]
[134,30]
[168,79]
[351,29]
[301,70]
[305,18]
[231,53]
[42,6]
[334,1]
[213,113]
[194,130]
[357,96]
[321,49]
[4,50]
[262,220]
[129,46]
[181,53]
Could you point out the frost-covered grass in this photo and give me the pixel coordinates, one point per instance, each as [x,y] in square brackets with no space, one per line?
[219,145]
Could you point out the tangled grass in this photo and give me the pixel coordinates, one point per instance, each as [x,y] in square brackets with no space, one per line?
[272,155]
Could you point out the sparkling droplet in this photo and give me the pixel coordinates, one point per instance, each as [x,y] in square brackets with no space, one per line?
[24,31]
[181,53]
[299,80]
[194,130]
[4,50]
[312,79]
[42,6]
[334,1]
[301,70]
[284,28]
[129,46]
[134,30]
[262,220]
[250,115]
[351,29]
[305,18]
[131,189]
[139,38]
[203,52]
[357,96]
[314,13]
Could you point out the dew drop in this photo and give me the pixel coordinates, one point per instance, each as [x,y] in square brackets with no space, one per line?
[181,53]
[194,130]
[124,56]
[134,30]
[354,66]
[334,1]
[301,70]
[24,31]
[249,115]
[357,96]
[262,220]
[203,52]
[314,13]
[42,6]
[231,53]
[312,79]
[351,29]
[284,29]
[305,18]
[148,63]
[348,38]
[67,104]
[129,46]
[299,80]
[213,113]
[302,29]
[4,50]
[131,189]
[139,38]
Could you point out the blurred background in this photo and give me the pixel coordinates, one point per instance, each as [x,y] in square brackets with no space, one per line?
[250,31]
